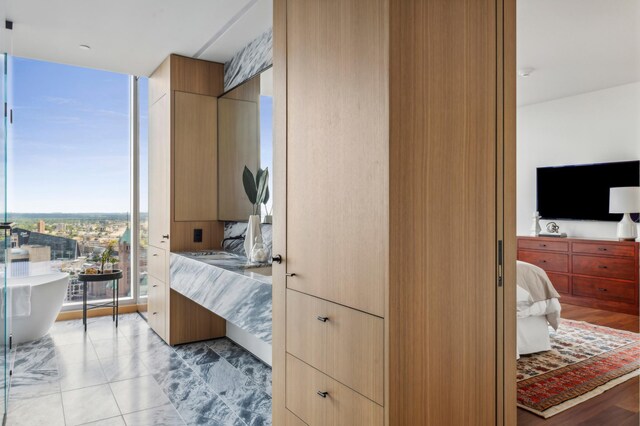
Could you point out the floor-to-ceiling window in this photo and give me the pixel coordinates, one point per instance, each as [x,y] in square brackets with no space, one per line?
[143,106]
[69,174]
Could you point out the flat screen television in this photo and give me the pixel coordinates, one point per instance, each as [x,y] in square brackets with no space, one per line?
[581,192]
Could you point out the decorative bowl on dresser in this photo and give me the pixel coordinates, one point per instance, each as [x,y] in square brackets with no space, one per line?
[600,274]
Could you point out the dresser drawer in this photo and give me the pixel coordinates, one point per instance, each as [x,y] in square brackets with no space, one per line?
[560,282]
[624,250]
[156,263]
[554,262]
[156,305]
[604,289]
[535,244]
[609,267]
[344,343]
[339,406]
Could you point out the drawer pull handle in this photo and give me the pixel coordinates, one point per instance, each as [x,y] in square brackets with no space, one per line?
[602,266]
[543,245]
[155,313]
[155,285]
[323,394]
[543,261]
[165,236]
[290,275]
[602,248]
[276,259]
[323,319]
[155,254]
[602,289]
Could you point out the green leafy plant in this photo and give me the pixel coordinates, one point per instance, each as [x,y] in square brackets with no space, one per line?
[256,188]
[107,255]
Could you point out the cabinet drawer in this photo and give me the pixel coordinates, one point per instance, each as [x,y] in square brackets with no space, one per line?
[560,282]
[292,420]
[339,406]
[156,305]
[604,289]
[156,262]
[609,267]
[535,244]
[624,250]
[346,344]
[554,262]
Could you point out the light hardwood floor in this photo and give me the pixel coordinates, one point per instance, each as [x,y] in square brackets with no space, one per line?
[618,406]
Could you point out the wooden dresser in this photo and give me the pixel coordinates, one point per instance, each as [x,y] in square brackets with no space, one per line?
[595,273]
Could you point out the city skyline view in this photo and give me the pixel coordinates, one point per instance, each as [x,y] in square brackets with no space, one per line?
[68,149]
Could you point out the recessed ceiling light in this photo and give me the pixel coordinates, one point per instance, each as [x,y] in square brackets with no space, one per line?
[525,72]
[85,47]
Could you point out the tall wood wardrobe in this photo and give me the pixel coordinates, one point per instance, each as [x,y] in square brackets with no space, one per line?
[394,161]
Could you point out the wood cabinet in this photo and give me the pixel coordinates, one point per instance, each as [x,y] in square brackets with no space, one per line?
[394,159]
[595,273]
[182,188]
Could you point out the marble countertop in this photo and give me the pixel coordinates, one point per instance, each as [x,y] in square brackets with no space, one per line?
[223,283]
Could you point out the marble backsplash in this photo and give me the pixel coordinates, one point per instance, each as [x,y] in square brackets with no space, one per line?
[234,233]
[250,61]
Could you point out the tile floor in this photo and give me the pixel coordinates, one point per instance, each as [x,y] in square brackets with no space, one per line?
[129,376]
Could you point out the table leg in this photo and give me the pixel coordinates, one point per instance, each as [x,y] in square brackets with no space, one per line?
[84,305]
[113,301]
[117,300]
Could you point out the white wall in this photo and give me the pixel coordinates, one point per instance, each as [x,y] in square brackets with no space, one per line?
[595,127]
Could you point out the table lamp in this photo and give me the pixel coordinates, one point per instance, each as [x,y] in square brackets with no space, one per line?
[625,200]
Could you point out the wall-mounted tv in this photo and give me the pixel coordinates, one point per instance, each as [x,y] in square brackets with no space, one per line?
[581,192]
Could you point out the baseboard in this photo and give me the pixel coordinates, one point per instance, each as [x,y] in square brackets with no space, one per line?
[98,312]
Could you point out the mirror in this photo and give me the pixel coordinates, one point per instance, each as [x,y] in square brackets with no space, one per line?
[245,138]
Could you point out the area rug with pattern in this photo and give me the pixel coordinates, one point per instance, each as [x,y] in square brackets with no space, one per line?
[585,360]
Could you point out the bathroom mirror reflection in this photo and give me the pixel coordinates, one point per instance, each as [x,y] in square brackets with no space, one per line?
[245,138]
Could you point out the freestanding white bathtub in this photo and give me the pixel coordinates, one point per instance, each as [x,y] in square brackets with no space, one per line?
[47,295]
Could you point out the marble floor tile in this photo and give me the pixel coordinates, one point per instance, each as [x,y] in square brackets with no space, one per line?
[145,341]
[112,347]
[44,410]
[197,353]
[112,421]
[138,394]
[36,358]
[244,361]
[89,405]
[165,415]
[122,368]
[76,353]
[82,375]
[34,383]
[161,361]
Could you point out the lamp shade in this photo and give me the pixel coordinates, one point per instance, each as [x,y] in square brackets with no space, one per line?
[624,200]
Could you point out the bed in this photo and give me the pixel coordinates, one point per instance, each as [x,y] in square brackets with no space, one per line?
[538,308]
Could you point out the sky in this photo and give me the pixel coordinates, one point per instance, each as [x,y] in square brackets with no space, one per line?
[69,141]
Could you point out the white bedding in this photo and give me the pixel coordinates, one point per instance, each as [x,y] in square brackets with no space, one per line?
[535,317]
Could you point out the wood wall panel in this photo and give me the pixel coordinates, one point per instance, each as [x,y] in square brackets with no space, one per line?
[197,76]
[195,157]
[442,285]
[337,150]
[190,322]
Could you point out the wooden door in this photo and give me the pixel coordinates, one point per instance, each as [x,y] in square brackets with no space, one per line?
[159,171]
[195,157]
[337,151]
[443,284]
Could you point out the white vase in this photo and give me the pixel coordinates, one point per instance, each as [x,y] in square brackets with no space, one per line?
[253,230]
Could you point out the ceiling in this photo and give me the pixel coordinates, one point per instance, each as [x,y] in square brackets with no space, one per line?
[131,37]
[576,46]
